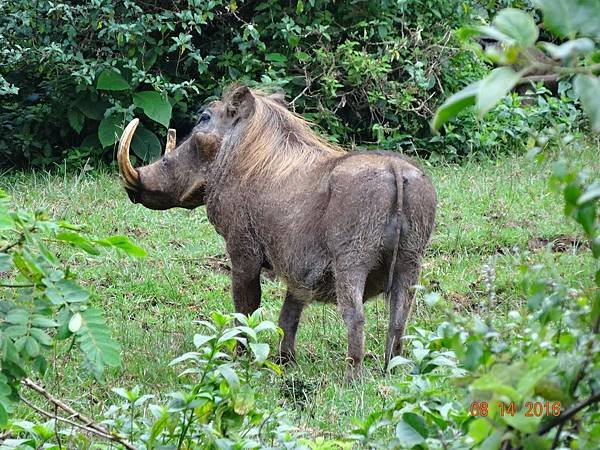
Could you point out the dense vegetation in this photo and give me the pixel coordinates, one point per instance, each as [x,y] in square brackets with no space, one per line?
[503,351]
[369,73]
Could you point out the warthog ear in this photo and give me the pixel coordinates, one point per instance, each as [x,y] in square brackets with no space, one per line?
[206,144]
[279,97]
[241,102]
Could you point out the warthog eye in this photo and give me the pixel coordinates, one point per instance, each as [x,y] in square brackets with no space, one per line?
[204,117]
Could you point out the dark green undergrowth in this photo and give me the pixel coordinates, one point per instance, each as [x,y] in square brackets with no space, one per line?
[369,74]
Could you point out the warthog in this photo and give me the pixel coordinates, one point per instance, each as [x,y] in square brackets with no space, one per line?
[336,226]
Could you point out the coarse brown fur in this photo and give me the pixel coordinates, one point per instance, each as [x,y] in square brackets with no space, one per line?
[336,226]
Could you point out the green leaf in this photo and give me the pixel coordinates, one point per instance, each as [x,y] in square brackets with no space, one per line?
[110,80]
[473,355]
[479,429]
[485,31]
[518,25]
[260,351]
[569,18]
[78,241]
[535,442]
[592,192]
[586,216]
[43,322]
[110,129]
[66,291]
[201,339]
[276,57]
[455,104]
[500,380]
[243,401]
[93,109]
[493,442]
[32,348]
[521,422]
[41,336]
[146,145]
[17,316]
[494,87]
[538,369]
[229,374]
[123,243]
[569,48]
[6,221]
[76,119]
[154,105]
[5,389]
[398,361]
[406,433]
[3,416]
[121,393]
[302,56]
[75,323]
[94,340]
[588,90]
[15,331]
[432,299]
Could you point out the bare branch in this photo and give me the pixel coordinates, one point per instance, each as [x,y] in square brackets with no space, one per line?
[87,424]
[569,413]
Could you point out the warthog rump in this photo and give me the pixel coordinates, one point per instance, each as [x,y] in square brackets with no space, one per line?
[336,226]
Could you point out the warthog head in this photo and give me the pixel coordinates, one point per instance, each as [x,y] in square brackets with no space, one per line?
[180,176]
[177,179]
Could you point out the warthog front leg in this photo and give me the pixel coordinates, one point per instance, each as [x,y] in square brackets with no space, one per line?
[289,317]
[245,285]
[349,292]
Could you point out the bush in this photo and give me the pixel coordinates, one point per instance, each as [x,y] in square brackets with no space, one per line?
[370,73]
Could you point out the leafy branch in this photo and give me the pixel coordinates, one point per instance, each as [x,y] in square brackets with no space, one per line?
[49,305]
[519,54]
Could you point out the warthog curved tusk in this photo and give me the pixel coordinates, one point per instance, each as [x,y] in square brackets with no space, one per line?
[171,140]
[128,173]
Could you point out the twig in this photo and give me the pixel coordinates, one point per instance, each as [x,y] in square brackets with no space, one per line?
[75,424]
[556,439]
[537,78]
[569,413]
[293,102]
[589,70]
[88,424]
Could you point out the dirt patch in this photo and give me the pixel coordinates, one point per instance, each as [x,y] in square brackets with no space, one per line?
[558,244]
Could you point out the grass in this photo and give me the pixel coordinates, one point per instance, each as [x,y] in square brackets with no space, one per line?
[496,213]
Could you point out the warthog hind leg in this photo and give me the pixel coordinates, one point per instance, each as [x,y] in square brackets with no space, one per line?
[400,302]
[350,285]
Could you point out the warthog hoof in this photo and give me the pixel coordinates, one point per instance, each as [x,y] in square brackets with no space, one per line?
[285,359]
[354,372]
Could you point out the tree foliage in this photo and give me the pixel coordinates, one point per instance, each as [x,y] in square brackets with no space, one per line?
[371,73]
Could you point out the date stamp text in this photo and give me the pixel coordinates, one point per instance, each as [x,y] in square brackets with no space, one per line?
[532,409]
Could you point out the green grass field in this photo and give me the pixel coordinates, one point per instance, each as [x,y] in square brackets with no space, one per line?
[495,213]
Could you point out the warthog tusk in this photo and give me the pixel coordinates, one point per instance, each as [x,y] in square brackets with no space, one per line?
[171,140]
[128,173]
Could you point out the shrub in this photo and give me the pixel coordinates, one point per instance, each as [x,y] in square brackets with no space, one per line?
[371,73]
[41,304]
